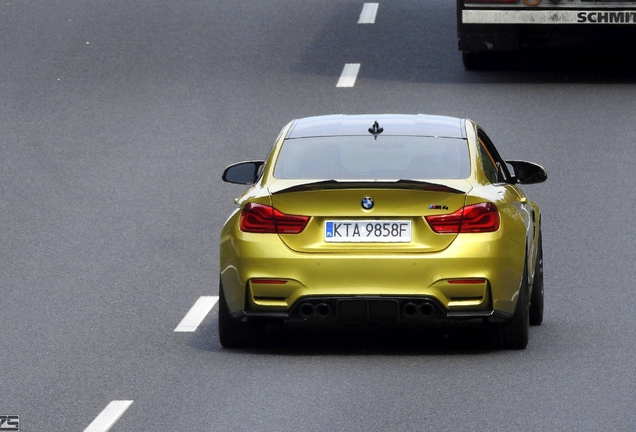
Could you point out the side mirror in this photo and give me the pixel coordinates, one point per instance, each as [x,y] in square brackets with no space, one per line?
[528,172]
[245,173]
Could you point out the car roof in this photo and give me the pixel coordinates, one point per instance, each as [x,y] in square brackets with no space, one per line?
[391,124]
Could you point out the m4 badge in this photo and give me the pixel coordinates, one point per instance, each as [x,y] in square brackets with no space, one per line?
[437,207]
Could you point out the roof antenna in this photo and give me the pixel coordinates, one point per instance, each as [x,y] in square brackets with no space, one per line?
[376,130]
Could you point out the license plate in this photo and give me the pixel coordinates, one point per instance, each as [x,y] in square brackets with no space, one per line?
[369,231]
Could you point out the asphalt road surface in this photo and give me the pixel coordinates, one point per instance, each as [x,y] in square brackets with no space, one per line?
[116,122]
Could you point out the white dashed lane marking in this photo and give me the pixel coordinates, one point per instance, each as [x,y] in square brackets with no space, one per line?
[349,75]
[369,11]
[350,71]
[107,418]
[197,314]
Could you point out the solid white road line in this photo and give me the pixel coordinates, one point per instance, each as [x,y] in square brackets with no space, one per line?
[369,11]
[349,75]
[197,314]
[107,418]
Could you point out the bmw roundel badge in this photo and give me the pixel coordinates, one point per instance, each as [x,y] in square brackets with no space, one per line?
[367,203]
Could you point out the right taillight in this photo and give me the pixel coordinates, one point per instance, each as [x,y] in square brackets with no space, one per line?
[476,218]
[259,218]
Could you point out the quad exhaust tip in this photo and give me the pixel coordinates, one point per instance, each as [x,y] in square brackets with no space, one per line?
[427,309]
[308,310]
[409,310]
[323,310]
[412,310]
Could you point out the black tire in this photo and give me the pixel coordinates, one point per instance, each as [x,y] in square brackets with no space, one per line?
[536,298]
[488,60]
[515,331]
[474,61]
[235,333]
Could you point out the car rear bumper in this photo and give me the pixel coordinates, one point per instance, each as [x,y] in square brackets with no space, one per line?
[361,309]
[478,275]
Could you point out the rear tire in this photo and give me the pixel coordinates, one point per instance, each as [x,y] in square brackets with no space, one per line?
[515,331]
[487,60]
[536,298]
[474,61]
[235,333]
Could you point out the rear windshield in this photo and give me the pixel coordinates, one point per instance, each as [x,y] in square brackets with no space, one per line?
[365,158]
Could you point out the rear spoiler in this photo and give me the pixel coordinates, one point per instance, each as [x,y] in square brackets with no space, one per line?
[369,184]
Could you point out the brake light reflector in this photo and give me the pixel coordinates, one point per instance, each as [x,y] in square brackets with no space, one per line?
[269,281]
[466,281]
[476,218]
[259,218]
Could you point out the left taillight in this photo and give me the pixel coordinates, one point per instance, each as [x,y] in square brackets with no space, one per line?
[259,218]
[476,218]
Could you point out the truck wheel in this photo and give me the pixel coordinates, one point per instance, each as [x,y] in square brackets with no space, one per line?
[488,60]
[474,60]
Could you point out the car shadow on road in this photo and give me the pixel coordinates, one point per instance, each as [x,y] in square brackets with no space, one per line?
[458,338]
[303,340]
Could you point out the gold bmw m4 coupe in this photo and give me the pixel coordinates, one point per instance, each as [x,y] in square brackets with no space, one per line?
[395,219]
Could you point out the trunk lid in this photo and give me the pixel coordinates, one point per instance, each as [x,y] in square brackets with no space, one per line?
[394,223]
